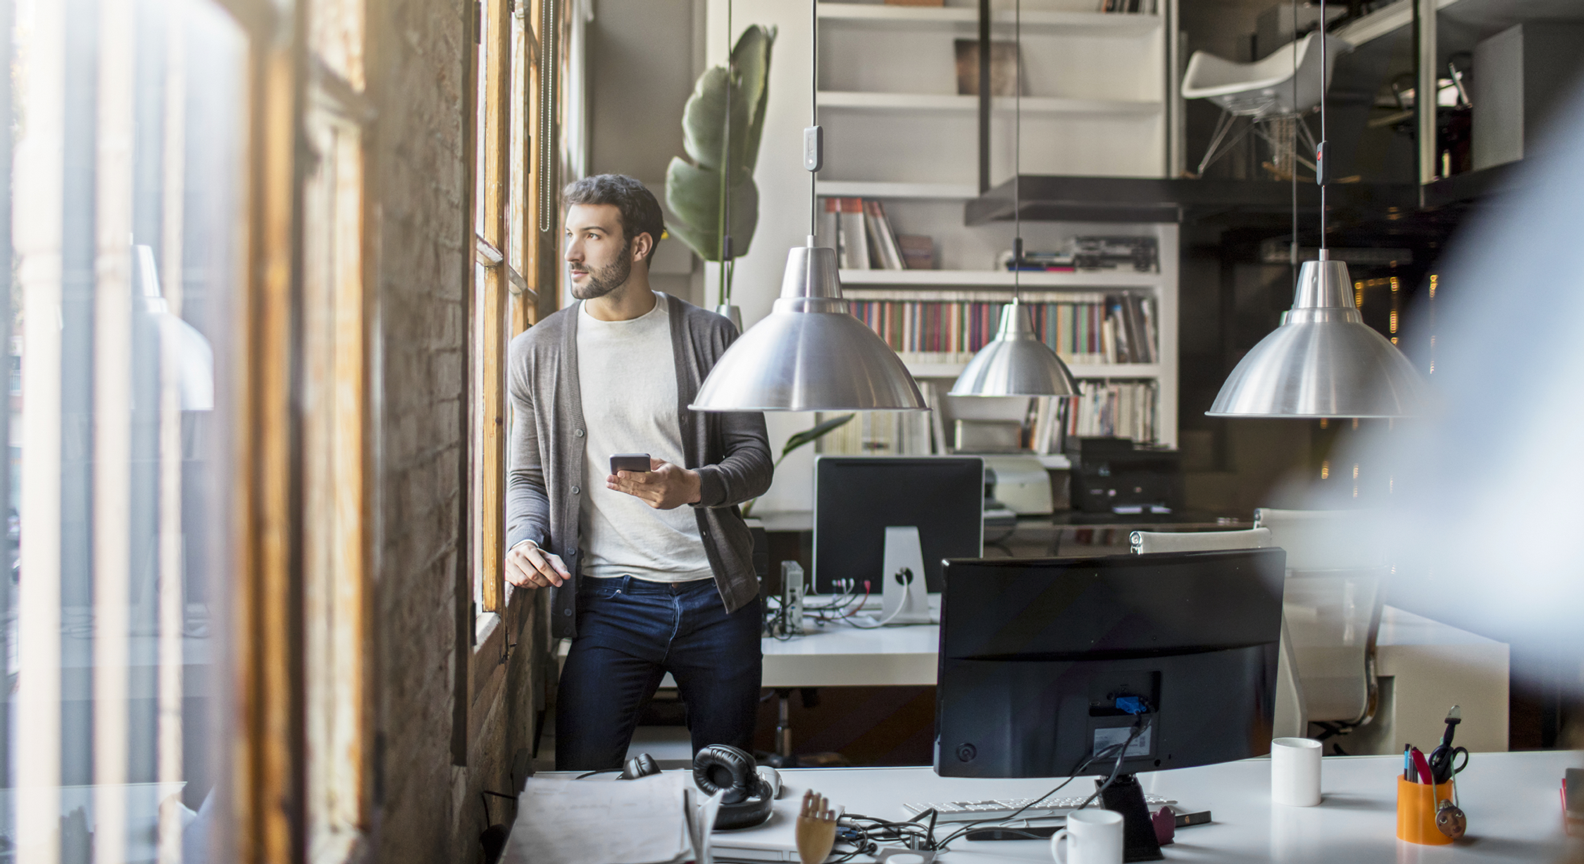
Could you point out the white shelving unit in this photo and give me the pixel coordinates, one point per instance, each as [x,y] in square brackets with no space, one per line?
[897,130]
[966,18]
[932,102]
[1081,281]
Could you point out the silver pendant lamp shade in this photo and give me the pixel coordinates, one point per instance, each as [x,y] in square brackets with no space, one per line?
[1015,363]
[809,353]
[1323,361]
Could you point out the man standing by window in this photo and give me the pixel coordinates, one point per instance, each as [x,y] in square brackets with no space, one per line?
[651,571]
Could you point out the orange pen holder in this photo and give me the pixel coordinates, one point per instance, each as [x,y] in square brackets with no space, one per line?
[1416,812]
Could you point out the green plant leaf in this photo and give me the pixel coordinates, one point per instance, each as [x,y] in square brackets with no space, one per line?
[815,433]
[752,60]
[693,194]
[693,185]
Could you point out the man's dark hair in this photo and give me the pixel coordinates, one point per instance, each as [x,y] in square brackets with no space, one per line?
[640,212]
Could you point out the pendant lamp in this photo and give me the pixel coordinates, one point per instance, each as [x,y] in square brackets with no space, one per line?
[1323,361]
[810,353]
[1016,362]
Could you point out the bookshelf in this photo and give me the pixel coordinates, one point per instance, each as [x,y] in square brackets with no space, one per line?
[979,245]
[965,19]
[1095,104]
[1085,280]
[837,100]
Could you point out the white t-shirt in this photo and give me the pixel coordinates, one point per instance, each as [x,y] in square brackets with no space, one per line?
[627,382]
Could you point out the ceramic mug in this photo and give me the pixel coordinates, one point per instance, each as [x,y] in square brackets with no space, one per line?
[1093,837]
[1295,771]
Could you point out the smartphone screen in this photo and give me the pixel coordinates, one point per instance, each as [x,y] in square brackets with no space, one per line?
[629,462]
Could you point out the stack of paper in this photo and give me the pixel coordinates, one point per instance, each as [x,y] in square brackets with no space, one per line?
[654,820]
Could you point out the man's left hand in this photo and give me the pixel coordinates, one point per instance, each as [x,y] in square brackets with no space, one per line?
[664,486]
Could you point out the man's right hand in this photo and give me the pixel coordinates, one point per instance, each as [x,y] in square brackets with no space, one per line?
[528,566]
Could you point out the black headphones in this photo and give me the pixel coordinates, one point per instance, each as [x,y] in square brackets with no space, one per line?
[749,792]
[641,765]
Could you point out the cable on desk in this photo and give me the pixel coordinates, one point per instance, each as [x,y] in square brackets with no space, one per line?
[865,834]
[1139,726]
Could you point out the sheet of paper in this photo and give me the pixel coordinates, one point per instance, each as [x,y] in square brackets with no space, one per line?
[702,810]
[599,819]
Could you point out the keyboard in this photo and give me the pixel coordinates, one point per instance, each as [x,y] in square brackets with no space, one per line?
[1002,808]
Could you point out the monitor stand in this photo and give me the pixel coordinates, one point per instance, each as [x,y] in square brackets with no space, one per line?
[1126,796]
[902,599]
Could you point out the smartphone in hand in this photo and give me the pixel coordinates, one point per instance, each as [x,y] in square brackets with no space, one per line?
[636,462]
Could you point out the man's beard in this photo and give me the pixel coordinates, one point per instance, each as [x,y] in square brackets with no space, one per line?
[606,279]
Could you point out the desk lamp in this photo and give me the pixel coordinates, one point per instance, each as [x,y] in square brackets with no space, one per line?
[1323,361]
[1017,362]
[810,353]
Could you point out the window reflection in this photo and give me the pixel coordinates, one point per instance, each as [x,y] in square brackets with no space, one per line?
[125,237]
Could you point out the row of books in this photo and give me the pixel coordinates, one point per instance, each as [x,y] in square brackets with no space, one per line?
[863,238]
[1136,7]
[1124,409]
[950,326]
[1130,254]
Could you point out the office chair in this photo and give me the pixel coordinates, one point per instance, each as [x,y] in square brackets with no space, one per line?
[1264,91]
[1199,541]
[1336,574]
[1331,609]
[1292,715]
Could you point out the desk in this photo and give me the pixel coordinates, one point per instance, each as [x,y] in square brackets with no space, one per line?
[1425,667]
[1511,799]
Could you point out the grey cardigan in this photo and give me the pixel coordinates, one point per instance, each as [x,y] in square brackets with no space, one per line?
[730,452]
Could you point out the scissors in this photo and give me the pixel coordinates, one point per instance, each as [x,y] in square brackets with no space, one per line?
[1443,759]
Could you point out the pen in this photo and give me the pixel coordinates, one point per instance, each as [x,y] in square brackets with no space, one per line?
[1421,766]
[1407,760]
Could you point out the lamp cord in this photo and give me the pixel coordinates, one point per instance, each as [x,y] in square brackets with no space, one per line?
[1324,171]
[1017,152]
[1292,166]
[813,108]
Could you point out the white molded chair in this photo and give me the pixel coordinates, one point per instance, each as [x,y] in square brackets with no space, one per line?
[1199,541]
[1336,575]
[1330,610]
[1267,91]
[1292,716]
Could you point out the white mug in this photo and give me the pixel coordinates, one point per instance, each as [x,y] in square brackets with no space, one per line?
[1093,837]
[1295,771]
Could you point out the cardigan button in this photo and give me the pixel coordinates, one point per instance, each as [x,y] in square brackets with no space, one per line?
[566,613]
[578,433]
[576,490]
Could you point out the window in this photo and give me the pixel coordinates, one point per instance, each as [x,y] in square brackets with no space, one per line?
[508,65]
[333,394]
[129,126]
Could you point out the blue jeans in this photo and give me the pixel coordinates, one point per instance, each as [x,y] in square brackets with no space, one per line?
[630,633]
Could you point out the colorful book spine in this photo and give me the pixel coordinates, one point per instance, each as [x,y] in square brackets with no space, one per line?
[1086,332]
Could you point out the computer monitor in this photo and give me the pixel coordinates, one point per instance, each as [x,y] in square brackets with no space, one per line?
[1055,667]
[1037,656]
[856,498]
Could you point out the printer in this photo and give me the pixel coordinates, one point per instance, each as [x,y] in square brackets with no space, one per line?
[1114,475]
[1020,483]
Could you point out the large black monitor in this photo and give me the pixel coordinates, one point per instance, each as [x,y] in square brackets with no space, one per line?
[857,497]
[1038,659]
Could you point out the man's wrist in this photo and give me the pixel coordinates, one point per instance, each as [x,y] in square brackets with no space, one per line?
[696,494]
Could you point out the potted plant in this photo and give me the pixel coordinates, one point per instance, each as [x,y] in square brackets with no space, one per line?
[721,128]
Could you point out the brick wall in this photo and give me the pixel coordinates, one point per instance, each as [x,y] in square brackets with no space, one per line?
[427,808]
